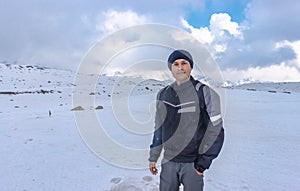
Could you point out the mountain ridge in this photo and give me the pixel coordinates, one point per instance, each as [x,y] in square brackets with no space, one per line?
[29,78]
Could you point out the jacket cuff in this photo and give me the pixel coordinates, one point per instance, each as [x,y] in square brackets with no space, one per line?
[153,158]
[199,168]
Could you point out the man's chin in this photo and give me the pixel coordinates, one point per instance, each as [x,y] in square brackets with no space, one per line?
[182,78]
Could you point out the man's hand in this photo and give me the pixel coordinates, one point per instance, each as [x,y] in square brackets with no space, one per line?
[152,167]
[199,173]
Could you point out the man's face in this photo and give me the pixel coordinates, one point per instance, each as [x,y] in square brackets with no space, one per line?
[181,70]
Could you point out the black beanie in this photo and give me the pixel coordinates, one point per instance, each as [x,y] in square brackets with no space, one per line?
[180,54]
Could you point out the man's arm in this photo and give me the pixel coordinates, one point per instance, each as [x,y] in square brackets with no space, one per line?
[156,146]
[213,138]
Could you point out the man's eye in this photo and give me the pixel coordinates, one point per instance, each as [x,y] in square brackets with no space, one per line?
[183,63]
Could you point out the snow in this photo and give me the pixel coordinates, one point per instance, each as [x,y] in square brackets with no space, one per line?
[47,152]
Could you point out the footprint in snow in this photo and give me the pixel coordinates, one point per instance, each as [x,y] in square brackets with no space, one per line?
[146,183]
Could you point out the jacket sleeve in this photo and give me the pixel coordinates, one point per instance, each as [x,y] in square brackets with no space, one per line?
[157,143]
[213,139]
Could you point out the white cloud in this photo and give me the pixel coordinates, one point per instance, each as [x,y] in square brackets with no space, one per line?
[202,34]
[296,47]
[222,22]
[220,48]
[217,35]
[274,73]
[236,48]
[114,20]
[287,71]
[219,24]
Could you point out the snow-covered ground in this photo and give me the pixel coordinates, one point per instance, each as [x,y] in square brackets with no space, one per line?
[42,149]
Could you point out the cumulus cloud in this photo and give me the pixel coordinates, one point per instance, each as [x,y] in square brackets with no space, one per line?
[286,71]
[203,34]
[219,33]
[248,48]
[219,23]
[114,20]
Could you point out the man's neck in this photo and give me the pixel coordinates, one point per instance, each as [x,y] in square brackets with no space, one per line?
[183,81]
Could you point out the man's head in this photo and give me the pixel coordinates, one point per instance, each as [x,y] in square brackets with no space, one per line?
[177,54]
[180,62]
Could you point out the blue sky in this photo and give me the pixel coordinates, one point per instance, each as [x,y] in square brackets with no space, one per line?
[201,17]
[248,38]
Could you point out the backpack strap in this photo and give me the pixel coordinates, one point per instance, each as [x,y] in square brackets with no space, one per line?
[199,88]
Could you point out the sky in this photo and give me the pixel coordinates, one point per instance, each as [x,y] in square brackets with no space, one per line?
[249,39]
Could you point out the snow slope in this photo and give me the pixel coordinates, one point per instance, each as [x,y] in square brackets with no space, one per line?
[278,87]
[40,151]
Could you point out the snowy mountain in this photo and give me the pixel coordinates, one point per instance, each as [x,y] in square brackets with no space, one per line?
[26,79]
[18,79]
[273,87]
[230,84]
[22,78]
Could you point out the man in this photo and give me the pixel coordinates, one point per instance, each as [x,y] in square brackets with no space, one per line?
[188,126]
